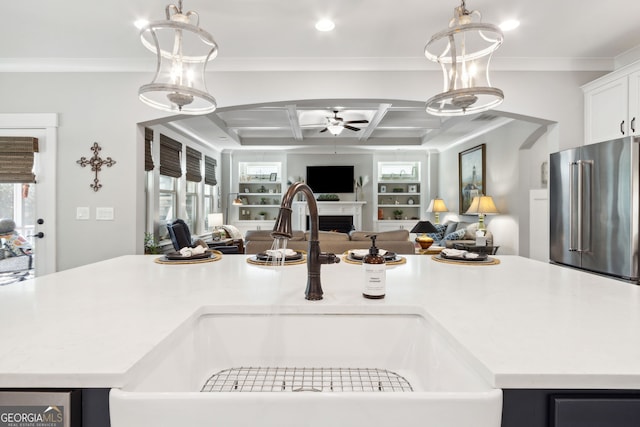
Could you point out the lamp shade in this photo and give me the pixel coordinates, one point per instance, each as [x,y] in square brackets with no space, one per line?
[482,205]
[215,219]
[437,205]
[424,227]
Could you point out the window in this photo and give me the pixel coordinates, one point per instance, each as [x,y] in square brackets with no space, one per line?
[17,202]
[191,206]
[398,170]
[208,203]
[167,203]
[178,185]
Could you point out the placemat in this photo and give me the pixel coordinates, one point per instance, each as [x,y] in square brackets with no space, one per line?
[488,261]
[215,256]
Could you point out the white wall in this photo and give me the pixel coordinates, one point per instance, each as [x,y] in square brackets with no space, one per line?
[503,183]
[103,108]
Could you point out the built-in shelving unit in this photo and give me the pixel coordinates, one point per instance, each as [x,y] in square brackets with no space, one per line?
[398,201]
[260,190]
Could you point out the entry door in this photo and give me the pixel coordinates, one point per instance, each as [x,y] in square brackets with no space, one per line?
[43,127]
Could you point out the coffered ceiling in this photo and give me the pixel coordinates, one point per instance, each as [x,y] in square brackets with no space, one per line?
[297,125]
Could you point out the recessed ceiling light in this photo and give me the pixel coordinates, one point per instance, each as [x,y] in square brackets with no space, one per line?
[509,25]
[141,23]
[325,25]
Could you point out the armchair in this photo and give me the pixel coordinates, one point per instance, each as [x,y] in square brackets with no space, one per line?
[181,238]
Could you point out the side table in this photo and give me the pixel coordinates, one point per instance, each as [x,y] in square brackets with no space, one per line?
[431,250]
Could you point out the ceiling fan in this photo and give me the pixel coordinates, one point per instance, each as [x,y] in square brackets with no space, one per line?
[335,124]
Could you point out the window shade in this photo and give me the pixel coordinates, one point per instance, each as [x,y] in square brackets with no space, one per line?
[170,150]
[194,172]
[16,158]
[148,158]
[210,170]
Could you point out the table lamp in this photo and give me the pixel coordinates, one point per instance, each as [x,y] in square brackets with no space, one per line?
[437,205]
[424,227]
[481,206]
[214,221]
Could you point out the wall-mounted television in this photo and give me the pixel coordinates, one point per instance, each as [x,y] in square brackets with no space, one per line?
[330,179]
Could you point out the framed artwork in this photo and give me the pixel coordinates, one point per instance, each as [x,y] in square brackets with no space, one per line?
[471,175]
[273,176]
[383,188]
[413,188]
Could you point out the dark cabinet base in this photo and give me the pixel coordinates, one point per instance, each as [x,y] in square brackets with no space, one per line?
[521,408]
[571,408]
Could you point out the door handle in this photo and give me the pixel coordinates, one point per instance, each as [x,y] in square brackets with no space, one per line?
[572,208]
[622,127]
[39,235]
[633,125]
[580,201]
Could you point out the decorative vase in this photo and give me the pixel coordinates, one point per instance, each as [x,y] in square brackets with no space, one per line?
[424,241]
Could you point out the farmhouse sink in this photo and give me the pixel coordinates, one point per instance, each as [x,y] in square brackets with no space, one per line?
[419,379]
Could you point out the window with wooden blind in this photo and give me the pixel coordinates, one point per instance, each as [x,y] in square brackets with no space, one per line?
[170,151]
[16,159]
[148,158]
[194,169]
[210,171]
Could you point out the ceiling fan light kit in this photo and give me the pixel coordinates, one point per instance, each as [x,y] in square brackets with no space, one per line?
[183,50]
[335,124]
[464,53]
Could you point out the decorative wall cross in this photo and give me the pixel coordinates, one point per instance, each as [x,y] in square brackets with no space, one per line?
[96,164]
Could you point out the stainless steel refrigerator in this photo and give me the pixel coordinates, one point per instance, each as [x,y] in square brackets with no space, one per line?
[594,207]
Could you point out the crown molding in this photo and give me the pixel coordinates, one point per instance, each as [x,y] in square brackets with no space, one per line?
[147,65]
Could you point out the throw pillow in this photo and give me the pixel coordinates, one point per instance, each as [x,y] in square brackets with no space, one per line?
[451,227]
[456,235]
[17,245]
[439,234]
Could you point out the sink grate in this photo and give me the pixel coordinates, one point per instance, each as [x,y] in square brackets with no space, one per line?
[305,379]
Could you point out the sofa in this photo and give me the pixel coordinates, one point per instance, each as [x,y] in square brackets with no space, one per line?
[256,241]
[452,232]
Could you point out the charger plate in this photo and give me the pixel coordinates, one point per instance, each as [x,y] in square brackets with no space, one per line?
[349,260]
[488,261]
[215,256]
[270,263]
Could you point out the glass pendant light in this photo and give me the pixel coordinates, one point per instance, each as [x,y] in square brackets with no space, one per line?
[464,52]
[183,50]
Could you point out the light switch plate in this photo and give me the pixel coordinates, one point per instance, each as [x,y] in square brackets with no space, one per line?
[82,213]
[104,214]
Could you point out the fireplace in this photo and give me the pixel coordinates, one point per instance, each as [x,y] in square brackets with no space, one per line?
[348,214]
[340,223]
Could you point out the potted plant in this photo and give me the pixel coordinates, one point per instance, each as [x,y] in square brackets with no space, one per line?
[262,215]
[397,214]
[150,244]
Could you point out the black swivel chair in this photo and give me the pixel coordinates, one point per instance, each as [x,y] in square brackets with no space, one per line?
[181,238]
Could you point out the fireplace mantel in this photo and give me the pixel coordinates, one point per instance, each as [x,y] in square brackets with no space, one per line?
[300,212]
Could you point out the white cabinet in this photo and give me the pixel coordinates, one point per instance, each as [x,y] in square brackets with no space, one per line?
[260,190]
[612,105]
[398,196]
[634,102]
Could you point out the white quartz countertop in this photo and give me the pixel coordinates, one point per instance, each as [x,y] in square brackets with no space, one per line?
[522,323]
